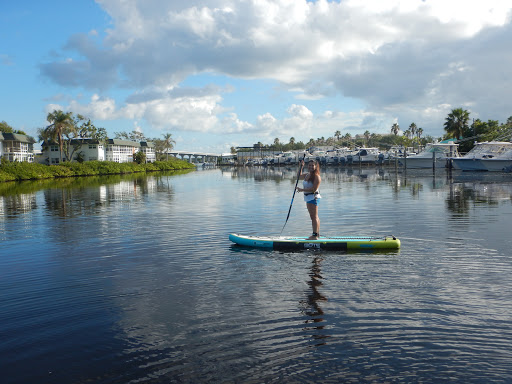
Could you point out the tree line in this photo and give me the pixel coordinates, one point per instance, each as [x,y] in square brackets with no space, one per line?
[456,127]
[6,128]
[69,130]
[65,127]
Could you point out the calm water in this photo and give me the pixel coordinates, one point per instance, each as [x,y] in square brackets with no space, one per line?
[134,280]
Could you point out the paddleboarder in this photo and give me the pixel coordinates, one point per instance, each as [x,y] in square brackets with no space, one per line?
[311,183]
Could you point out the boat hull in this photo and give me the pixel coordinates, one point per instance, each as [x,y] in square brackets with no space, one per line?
[465,164]
[423,163]
[496,165]
[335,243]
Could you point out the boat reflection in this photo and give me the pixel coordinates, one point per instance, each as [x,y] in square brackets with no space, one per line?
[462,196]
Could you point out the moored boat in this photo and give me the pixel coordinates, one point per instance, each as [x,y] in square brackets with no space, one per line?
[366,156]
[435,154]
[484,150]
[499,163]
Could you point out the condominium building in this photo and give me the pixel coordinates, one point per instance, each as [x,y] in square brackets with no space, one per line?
[148,149]
[119,151]
[16,147]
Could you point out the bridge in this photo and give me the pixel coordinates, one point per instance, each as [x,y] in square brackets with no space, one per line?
[195,157]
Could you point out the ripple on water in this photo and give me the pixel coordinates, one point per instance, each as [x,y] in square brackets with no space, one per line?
[138,282]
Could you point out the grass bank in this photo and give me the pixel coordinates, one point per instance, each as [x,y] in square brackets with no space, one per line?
[33,171]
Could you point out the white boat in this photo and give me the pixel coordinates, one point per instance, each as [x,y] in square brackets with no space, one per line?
[342,154]
[289,157]
[317,155]
[367,155]
[485,150]
[331,157]
[441,153]
[499,163]
[283,158]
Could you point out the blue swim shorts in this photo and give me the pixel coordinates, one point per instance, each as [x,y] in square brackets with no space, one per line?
[314,201]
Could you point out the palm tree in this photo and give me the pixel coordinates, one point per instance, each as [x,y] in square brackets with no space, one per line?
[413,127]
[337,135]
[395,128]
[419,132]
[60,124]
[366,135]
[168,144]
[292,141]
[457,122]
[348,138]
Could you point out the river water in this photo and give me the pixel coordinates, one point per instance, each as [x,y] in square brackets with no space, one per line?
[133,280]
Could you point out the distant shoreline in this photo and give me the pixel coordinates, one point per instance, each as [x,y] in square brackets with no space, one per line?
[19,171]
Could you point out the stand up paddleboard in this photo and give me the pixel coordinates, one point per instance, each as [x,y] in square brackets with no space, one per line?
[333,243]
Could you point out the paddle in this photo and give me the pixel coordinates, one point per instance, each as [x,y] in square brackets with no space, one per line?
[294,190]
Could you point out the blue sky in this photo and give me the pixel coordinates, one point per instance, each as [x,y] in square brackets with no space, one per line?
[222,73]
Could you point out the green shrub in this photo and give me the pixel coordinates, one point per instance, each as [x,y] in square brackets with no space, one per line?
[81,169]
[26,171]
[4,176]
[151,167]
[60,170]
[34,171]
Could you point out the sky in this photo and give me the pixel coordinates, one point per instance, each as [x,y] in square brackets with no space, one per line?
[218,74]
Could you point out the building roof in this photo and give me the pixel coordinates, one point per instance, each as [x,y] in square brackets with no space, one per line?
[147,144]
[126,143]
[73,141]
[17,137]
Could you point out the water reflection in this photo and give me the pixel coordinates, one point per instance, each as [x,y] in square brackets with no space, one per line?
[88,195]
[461,190]
[260,173]
[312,304]
[14,205]
[146,284]
[72,197]
[462,196]
[71,202]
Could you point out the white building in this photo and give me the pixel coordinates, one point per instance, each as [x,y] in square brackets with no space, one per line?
[84,149]
[148,149]
[92,150]
[121,151]
[16,147]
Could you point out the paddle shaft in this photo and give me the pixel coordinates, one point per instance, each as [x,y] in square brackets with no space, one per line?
[294,190]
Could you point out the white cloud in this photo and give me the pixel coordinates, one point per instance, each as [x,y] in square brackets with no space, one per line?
[403,60]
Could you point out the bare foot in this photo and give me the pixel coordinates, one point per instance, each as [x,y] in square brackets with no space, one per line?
[313,237]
